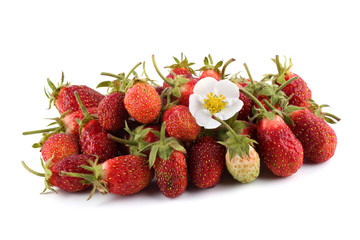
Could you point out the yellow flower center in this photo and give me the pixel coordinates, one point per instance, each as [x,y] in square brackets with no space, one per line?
[214,103]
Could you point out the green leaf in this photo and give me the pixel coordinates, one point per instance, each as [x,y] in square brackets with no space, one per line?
[219,64]
[52,86]
[104,84]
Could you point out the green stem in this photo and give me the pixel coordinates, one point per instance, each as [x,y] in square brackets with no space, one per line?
[249,74]
[131,71]
[123,141]
[255,100]
[32,171]
[269,105]
[225,66]
[162,134]
[145,71]
[167,80]
[286,83]
[111,75]
[225,125]
[40,131]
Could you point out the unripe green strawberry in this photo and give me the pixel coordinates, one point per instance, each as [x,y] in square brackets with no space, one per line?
[244,169]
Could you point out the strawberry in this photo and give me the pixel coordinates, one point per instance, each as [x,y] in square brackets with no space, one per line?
[316,136]
[181,124]
[58,146]
[245,168]
[142,102]
[168,159]
[280,149]
[123,175]
[211,70]
[127,174]
[245,111]
[206,161]
[93,137]
[298,89]
[54,177]
[64,100]
[112,112]
[171,174]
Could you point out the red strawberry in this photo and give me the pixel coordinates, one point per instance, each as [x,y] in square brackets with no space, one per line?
[181,124]
[126,175]
[316,136]
[171,174]
[213,71]
[94,140]
[93,137]
[301,93]
[123,175]
[64,99]
[73,164]
[206,162]
[186,90]
[112,112]
[281,150]
[168,159]
[59,146]
[143,103]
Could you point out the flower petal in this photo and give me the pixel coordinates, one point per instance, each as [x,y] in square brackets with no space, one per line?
[203,118]
[227,89]
[204,86]
[234,106]
[196,103]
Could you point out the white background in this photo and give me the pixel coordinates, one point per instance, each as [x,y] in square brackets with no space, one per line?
[39,39]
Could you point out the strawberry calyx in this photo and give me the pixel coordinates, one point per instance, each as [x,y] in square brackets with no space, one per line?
[209,65]
[55,90]
[236,144]
[283,70]
[46,175]
[317,110]
[47,132]
[163,147]
[95,178]
[182,63]
[136,140]
[87,117]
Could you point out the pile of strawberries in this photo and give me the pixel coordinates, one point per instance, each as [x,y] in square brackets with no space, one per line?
[139,131]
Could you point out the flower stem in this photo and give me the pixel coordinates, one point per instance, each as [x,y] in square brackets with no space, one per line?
[225,125]
[256,101]
[111,75]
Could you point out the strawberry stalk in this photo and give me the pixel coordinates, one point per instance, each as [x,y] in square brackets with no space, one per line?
[249,74]
[225,66]
[40,131]
[123,141]
[167,80]
[286,83]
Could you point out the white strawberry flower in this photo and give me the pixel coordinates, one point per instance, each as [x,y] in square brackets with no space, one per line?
[214,98]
